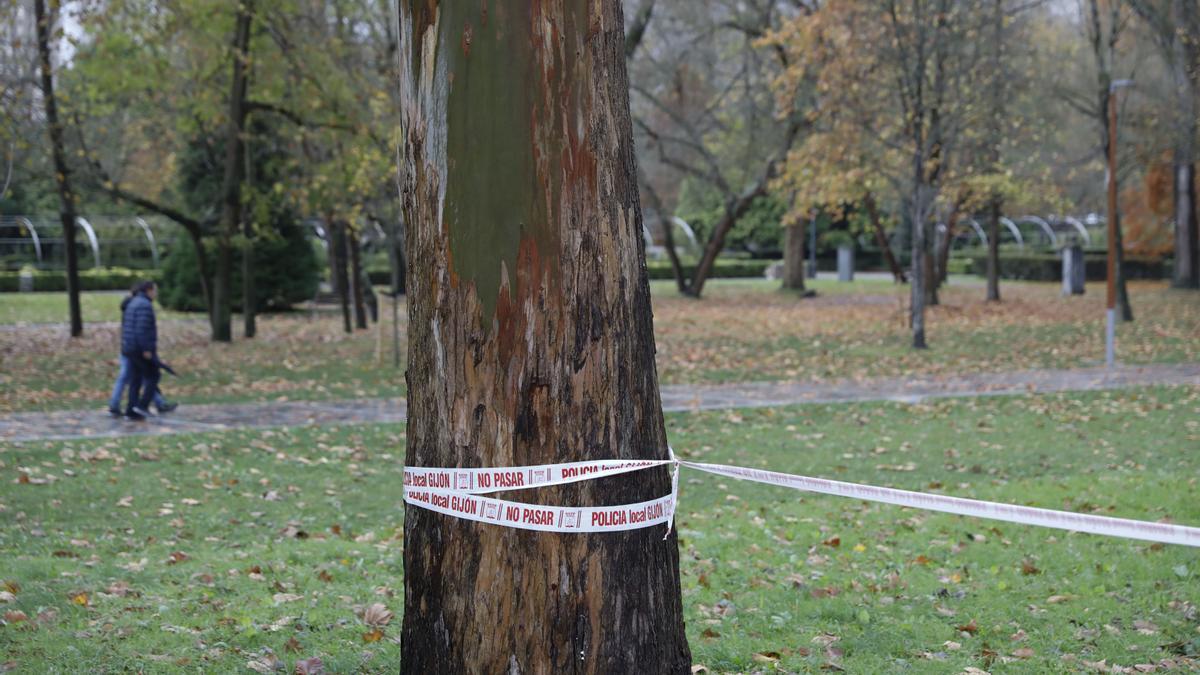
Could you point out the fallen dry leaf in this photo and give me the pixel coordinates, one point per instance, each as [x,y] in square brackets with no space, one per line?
[15,616]
[80,598]
[373,636]
[968,627]
[311,666]
[281,598]
[377,615]
[1023,653]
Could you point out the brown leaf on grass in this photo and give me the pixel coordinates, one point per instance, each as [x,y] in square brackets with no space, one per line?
[15,616]
[968,627]
[176,557]
[47,616]
[1056,599]
[703,580]
[267,663]
[1023,653]
[292,645]
[65,554]
[6,597]
[833,542]
[710,634]
[825,639]
[119,589]
[9,666]
[80,598]
[281,598]
[922,560]
[325,576]
[1145,627]
[827,592]
[377,615]
[766,657]
[12,587]
[1028,568]
[310,666]
[374,636]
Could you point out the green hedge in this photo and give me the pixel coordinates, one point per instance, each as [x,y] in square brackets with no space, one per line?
[657,269]
[1048,266]
[722,269]
[104,279]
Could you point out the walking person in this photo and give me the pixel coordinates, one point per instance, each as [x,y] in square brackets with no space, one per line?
[125,374]
[139,345]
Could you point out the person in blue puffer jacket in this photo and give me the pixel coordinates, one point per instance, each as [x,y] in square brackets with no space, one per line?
[139,344]
[125,374]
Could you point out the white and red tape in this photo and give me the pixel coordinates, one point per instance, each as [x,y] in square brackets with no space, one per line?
[459,492]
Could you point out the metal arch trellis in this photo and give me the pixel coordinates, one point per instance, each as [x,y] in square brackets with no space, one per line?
[1043,225]
[91,233]
[150,237]
[33,234]
[1074,222]
[1016,232]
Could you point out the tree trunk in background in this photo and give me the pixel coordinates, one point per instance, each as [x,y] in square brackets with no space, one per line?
[530,339]
[881,239]
[231,185]
[793,256]
[735,208]
[931,282]
[917,295]
[356,280]
[993,250]
[339,279]
[1124,309]
[249,289]
[1187,267]
[62,172]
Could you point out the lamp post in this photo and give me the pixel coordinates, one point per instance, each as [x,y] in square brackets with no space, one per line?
[1110,325]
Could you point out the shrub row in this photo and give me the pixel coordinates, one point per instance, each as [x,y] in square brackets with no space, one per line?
[104,279]
[656,269]
[1048,266]
[722,269]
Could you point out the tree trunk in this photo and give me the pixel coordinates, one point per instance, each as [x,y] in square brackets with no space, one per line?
[734,209]
[917,310]
[231,185]
[993,250]
[681,282]
[931,283]
[793,256]
[62,172]
[530,339]
[356,280]
[249,287]
[947,239]
[881,239]
[1124,309]
[339,278]
[1187,268]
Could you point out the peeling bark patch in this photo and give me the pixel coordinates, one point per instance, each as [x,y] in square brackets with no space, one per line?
[466,39]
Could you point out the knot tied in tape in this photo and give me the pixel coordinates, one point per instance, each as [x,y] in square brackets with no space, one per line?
[461,493]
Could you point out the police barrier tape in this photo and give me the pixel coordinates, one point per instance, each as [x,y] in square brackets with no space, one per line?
[456,492]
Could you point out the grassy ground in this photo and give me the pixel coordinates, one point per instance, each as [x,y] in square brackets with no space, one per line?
[201,553]
[742,330]
[42,308]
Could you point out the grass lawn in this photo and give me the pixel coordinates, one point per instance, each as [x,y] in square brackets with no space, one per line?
[201,553]
[35,308]
[742,330]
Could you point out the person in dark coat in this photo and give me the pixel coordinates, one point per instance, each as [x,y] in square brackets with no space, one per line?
[139,344]
[125,374]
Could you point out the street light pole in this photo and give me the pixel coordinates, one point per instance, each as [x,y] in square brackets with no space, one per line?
[1110,317]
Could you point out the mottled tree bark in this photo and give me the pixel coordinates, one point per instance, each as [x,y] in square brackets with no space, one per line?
[62,173]
[793,256]
[530,339]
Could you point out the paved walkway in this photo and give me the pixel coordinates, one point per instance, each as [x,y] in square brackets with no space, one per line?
[74,424]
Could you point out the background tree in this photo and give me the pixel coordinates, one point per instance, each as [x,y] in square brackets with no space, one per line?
[530,338]
[1175,26]
[62,172]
